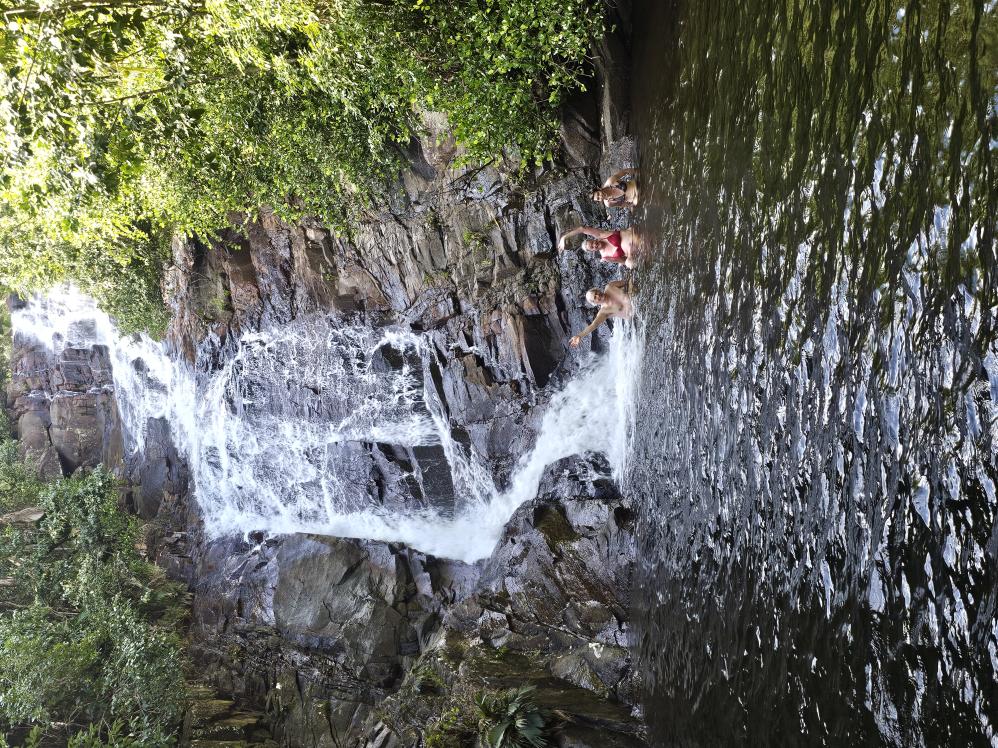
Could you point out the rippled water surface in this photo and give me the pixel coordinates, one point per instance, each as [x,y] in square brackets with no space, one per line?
[816,449]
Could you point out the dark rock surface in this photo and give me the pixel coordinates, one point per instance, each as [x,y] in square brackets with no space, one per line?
[322,634]
[559,579]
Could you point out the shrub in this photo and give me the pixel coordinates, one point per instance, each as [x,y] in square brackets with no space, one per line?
[512,719]
[137,121]
[450,731]
[500,70]
[104,736]
[88,629]
[19,485]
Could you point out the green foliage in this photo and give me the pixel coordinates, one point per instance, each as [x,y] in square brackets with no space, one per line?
[18,483]
[32,740]
[87,631]
[423,679]
[500,70]
[512,719]
[104,736]
[452,730]
[96,735]
[6,340]
[432,708]
[124,123]
[129,292]
[475,241]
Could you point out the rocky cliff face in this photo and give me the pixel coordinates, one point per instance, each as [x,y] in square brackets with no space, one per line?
[63,407]
[336,639]
[332,636]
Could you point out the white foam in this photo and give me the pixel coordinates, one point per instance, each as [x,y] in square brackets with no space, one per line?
[275,439]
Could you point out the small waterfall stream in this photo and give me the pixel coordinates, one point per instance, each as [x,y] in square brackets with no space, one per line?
[280,438]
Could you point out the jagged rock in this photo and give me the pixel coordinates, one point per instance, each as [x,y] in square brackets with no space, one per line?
[213,722]
[321,632]
[322,621]
[64,407]
[549,609]
[28,515]
[559,579]
[333,594]
[582,737]
[158,473]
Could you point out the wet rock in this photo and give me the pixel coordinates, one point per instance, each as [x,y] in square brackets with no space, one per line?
[331,624]
[213,722]
[339,595]
[159,473]
[321,633]
[560,579]
[64,408]
[548,609]
[575,736]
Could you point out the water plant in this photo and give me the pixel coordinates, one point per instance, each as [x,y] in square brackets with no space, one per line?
[512,719]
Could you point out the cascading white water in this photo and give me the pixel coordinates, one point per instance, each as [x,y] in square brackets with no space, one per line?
[275,439]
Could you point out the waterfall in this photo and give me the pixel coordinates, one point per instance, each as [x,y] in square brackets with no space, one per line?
[280,438]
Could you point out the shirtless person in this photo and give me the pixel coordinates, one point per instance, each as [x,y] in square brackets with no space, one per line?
[612,301]
[613,246]
[617,193]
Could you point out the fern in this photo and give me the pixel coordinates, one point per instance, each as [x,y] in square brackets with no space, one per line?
[512,719]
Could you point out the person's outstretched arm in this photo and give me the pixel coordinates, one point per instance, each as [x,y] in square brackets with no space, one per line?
[600,319]
[587,230]
[613,179]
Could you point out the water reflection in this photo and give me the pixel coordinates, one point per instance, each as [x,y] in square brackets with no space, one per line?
[817,449]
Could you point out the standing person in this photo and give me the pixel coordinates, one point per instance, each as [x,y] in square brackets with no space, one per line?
[613,301]
[613,246]
[618,193]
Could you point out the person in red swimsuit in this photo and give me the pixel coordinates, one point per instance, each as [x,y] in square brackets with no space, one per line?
[613,246]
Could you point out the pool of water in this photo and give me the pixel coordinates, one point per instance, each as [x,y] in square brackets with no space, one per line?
[815,458]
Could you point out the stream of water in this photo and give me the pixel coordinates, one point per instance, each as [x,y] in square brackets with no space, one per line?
[816,445]
[280,438]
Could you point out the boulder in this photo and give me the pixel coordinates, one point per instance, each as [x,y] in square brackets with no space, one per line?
[64,407]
